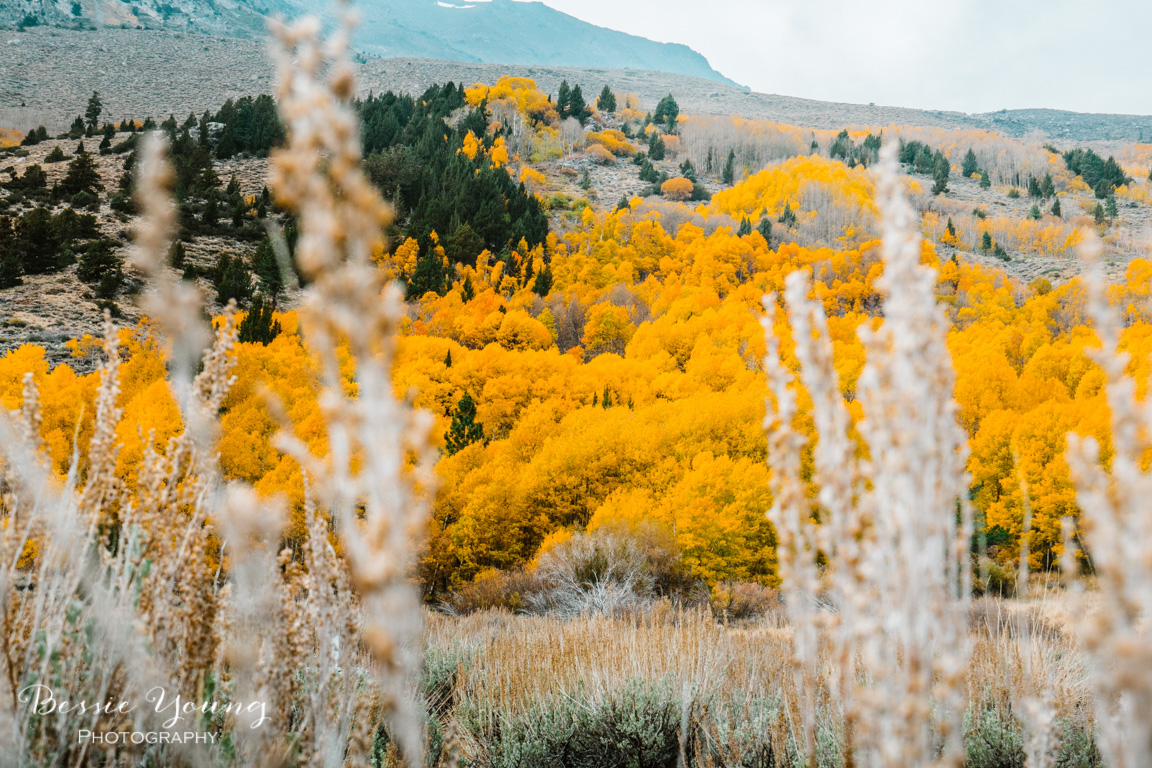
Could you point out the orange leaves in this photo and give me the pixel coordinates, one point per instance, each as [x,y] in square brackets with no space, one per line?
[612,140]
[471,146]
[679,189]
[519,93]
[830,200]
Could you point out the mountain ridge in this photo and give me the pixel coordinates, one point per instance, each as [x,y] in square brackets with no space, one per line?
[500,31]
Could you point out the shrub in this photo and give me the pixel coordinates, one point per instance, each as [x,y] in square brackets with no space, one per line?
[56,155]
[993,739]
[604,572]
[679,189]
[742,600]
[598,154]
[493,589]
[634,726]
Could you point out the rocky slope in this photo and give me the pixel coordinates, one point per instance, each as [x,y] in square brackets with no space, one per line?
[46,76]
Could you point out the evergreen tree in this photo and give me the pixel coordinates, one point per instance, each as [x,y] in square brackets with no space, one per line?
[745,227]
[985,180]
[36,242]
[1034,213]
[969,165]
[813,148]
[729,175]
[259,326]
[448,358]
[464,429]
[82,175]
[986,242]
[100,264]
[211,215]
[542,286]
[427,277]
[666,112]
[232,280]
[268,270]
[788,216]
[1098,213]
[78,129]
[562,97]
[940,172]
[1110,208]
[606,101]
[655,146]
[1056,208]
[688,171]
[9,258]
[950,229]
[765,229]
[577,108]
[92,113]
[467,292]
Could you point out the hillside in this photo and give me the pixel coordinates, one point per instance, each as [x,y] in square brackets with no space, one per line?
[500,31]
[140,72]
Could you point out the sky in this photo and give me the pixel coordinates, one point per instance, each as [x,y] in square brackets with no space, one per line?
[965,55]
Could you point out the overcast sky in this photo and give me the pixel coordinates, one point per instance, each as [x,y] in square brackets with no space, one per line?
[968,55]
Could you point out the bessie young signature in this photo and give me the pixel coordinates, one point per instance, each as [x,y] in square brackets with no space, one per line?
[42,701]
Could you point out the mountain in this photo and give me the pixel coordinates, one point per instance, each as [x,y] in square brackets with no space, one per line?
[499,31]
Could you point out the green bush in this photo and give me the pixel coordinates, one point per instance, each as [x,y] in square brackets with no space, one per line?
[994,739]
[635,726]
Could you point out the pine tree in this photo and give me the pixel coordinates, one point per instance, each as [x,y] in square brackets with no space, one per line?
[606,101]
[92,113]
[268,270]
[177,255]
[940,172]
[259,326]
[78,129]
[745,227]
[9,259]
[577,108]
[467,292]
[950,229]
[1110,208]
[970,165]
[765,229]
[1098,213]
[464,429]
[211,215]
[562,97]
[36,242]
[448,359]
[82,175]
[100,264]
[688,171]
[986,242]
[729,175]
[543,283]
[985,180]
[788,216]
[655,146]
[1034,213]
[1056,208]
[427,277]
[666,112]
[232,280]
